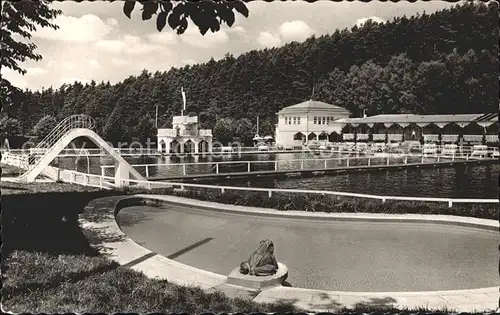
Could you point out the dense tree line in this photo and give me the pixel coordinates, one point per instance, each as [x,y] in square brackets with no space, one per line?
[445,62]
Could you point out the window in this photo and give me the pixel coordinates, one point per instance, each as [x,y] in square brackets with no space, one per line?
[298,120]
[324,120]
[294,120]
[315,120]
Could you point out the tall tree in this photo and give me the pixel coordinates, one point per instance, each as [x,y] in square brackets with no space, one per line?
[44,126]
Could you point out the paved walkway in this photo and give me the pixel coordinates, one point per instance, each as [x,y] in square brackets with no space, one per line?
[127,252]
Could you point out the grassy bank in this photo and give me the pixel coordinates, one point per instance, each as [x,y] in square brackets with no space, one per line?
[41,283]
[50,264]
[319,203]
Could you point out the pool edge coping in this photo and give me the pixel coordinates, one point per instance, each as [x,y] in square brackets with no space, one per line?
[154,265]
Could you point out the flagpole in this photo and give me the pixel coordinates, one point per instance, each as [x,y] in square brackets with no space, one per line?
[183,100]
[258,125]
[156,117]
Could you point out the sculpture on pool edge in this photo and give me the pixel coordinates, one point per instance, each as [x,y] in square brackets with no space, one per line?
[262,262]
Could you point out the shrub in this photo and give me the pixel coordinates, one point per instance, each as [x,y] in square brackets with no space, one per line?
[326,203]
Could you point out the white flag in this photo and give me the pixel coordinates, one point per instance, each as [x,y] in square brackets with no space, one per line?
[183,98]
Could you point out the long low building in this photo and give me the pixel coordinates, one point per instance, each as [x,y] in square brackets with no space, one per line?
[452,128]
[313,121]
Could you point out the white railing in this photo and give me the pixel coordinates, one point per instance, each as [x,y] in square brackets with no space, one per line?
[362,136]
[189,133]
[205,132]
[300,164]
[491,138]
[473,138]
[348,136]
[167,132]
[395,137]
[103,181]
[449,138]
[17,160]
[378,137]
[185,119]
[71,122]
[67,124]
[431,138]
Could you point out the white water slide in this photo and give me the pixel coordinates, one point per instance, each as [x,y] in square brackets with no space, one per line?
[60,137]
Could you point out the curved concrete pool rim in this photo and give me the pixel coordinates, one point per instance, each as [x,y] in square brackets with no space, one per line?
[128,253]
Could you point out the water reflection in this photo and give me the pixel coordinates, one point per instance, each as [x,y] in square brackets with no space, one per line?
[459,181]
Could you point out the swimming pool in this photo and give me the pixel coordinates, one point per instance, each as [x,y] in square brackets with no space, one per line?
[328,255]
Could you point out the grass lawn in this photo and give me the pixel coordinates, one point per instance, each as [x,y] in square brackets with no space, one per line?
[50,280]
[39,282]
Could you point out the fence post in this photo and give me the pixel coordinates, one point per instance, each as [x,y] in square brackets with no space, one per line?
[450,204]
[184,169]
[422,158]
[147,170]
[270,193]
[406,159]
[217,170]
[249,167]
[347,161]
[301,164]
[383,200]
[275,165]
[369,161]
[103,172]
[325,164]
[388,160]
[222,190]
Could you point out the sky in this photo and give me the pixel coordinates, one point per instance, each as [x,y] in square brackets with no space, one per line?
[95,40]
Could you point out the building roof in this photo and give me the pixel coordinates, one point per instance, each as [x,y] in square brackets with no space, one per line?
[311,105]
[411,118]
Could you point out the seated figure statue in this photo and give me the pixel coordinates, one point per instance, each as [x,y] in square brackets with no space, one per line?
[261,262]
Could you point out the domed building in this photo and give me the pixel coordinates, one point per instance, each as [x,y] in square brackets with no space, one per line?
[309,121]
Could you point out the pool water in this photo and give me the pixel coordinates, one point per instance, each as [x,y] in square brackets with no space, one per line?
[328,255]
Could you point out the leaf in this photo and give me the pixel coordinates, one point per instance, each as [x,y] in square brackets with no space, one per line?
[174,20]
[149,8]
[203,27]
[240,7]
[182,26]
[161,20]
[225,13]
[128,7]
[166,6]
[214,25]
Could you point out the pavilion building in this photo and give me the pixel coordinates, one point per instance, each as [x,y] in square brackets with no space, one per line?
[309,121]
[452,128]
[184,137]
[313,121]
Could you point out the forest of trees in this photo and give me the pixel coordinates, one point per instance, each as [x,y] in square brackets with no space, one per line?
[445,62]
